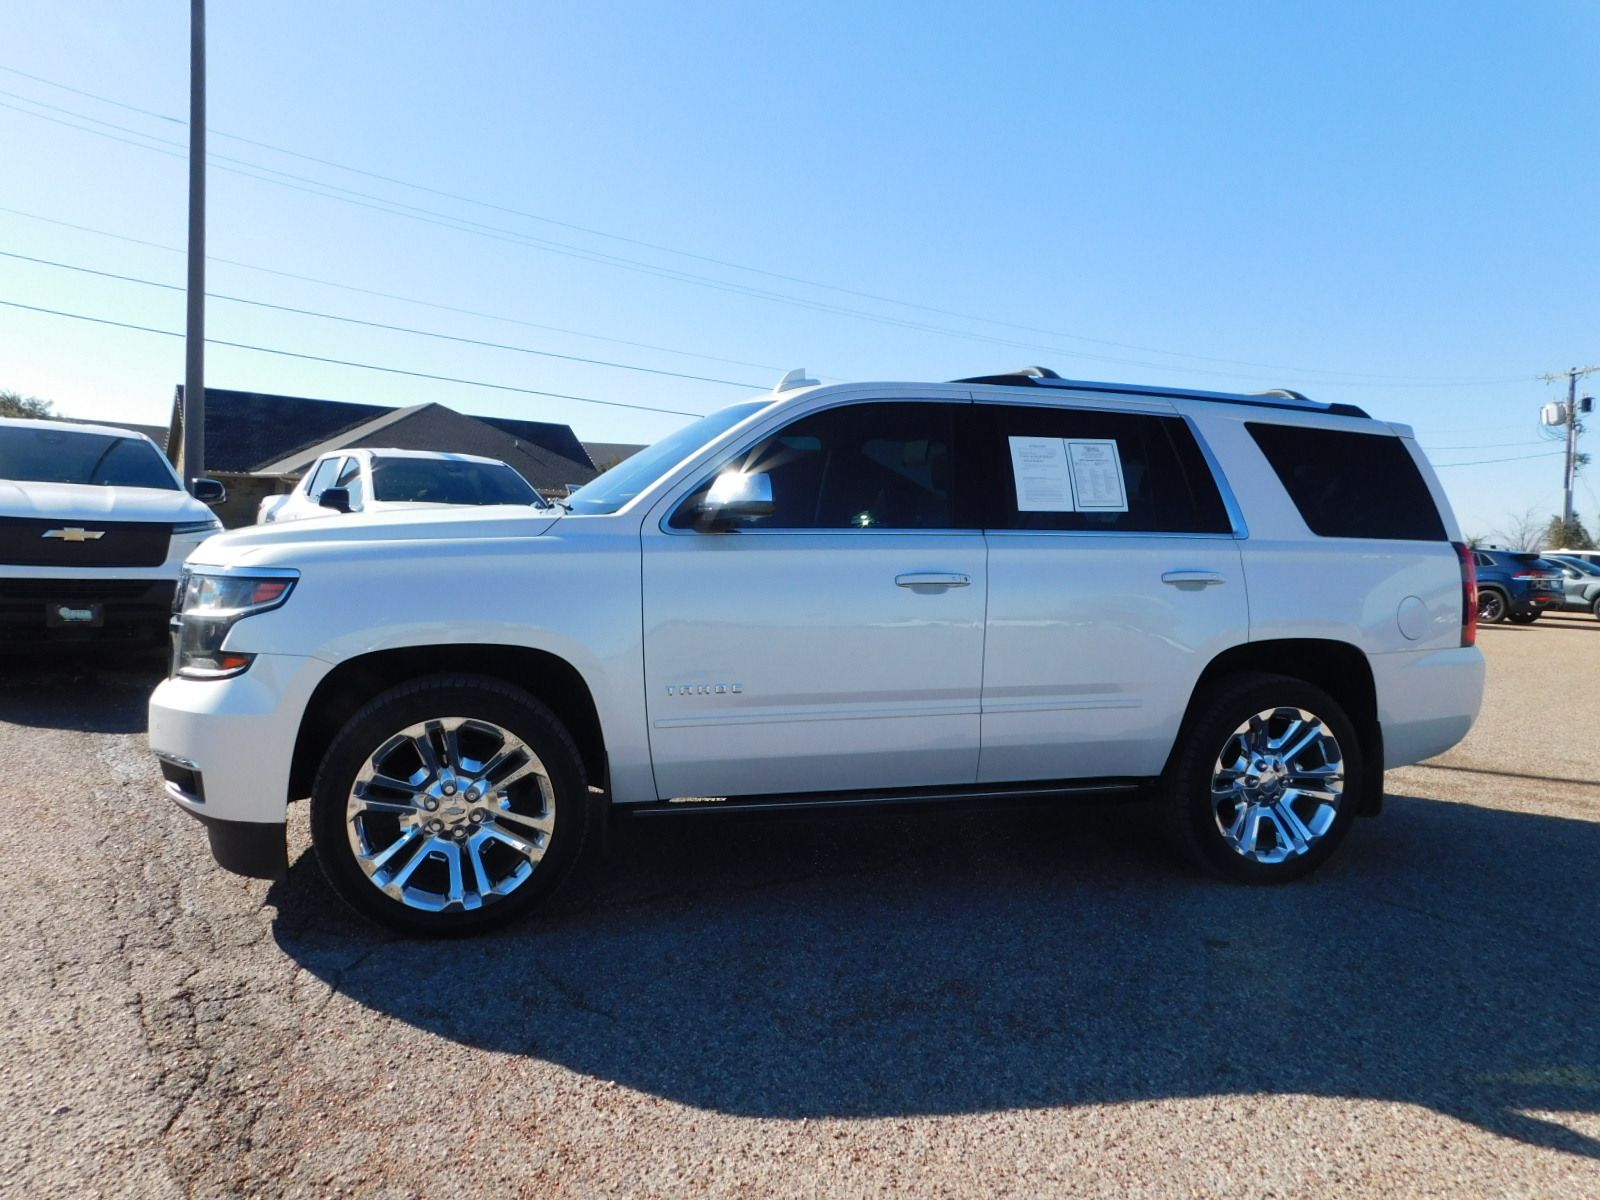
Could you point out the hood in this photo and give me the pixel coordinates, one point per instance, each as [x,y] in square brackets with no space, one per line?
[450,523]
[91,502]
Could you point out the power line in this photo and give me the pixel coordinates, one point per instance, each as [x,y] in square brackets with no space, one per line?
[343,362]
[1478,462]
[1488,446]
[469,312]
[657,246]
[427,333]
[460,224]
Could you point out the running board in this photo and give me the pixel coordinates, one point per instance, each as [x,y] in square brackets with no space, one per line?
[807,801]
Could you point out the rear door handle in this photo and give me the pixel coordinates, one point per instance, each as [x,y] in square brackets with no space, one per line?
[1192,578]
[932,579]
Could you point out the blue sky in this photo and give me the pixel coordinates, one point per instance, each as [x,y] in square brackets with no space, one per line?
[1387,204]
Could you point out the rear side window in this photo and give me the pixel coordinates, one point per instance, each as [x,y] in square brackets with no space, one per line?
[1351,485]
[1083,470]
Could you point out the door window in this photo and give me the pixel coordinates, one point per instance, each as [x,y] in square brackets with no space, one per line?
[322,478]
[350,477]
[1086,470]
[862,466]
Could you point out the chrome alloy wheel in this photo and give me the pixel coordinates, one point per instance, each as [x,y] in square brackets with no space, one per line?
[450,814]
[1277,784]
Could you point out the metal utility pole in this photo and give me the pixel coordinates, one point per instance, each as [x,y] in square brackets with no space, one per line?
[1571,375]
[194,373]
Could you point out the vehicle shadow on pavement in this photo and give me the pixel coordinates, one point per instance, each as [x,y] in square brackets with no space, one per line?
[953,963]
[93,691]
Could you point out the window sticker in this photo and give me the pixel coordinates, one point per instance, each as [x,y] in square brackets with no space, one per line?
[1044,481]
[1097,484]
[1068,475]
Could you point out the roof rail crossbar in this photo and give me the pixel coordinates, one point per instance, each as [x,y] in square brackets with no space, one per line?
[1275,398]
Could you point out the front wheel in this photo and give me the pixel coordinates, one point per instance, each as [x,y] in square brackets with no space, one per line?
[449,805]
[1266,780]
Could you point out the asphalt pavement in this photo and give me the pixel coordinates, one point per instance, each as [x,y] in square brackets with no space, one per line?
[1016,1002]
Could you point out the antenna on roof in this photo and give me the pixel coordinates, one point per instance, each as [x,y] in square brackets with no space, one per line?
[794,379]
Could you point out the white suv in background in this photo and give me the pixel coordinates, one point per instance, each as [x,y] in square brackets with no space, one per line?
[94,528]
[1244,606]
[397,480]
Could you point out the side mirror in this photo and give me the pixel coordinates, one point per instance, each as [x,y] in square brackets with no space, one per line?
[336,498]
[735,495]
[208,491]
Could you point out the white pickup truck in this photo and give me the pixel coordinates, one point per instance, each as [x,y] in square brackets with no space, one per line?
[382,480]
[1246,606]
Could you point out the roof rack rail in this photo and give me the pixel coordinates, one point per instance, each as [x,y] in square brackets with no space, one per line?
[1275,398]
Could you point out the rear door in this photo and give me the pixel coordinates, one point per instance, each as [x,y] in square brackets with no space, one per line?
[1114,578]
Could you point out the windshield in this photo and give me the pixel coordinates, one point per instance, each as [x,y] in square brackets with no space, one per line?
[449,481]
[61,456]
[609,492]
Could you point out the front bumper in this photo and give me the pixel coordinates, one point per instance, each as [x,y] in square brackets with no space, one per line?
[43,611]
[226,746]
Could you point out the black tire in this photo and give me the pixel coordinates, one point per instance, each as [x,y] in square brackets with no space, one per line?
[1524,618]
[1492,606]
[1595,608]
[1186,788]
[487,702]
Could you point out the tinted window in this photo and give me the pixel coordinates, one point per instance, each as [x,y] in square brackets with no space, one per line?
[1084,470]
[860,466]
[60,456]
[449,481]
[1354,485]
[608,492]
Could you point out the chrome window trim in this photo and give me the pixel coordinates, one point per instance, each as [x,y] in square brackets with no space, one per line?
[1106,533]
[1230,502]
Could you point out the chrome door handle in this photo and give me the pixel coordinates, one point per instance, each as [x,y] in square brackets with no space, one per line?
[1192,578]
[932,579]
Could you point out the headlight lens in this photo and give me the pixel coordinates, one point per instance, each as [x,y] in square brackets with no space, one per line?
[208,606]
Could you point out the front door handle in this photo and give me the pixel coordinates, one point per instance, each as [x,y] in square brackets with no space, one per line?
[932,579]
[1198,579]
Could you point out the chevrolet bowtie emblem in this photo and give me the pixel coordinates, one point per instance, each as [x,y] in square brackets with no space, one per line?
[75,535]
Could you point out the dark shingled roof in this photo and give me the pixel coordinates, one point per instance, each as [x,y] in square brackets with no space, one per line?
[246,431]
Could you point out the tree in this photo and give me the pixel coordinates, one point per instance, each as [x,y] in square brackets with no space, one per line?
[15,404]
[1524,531]
[1567,535]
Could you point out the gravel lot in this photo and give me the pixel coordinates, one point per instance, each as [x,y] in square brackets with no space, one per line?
[1017,1003]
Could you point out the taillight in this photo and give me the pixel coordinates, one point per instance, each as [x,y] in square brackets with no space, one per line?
[1469,594]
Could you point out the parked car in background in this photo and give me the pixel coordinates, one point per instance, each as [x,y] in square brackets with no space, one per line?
[395,480]
[1581,579]
[94,528]
[1516,586]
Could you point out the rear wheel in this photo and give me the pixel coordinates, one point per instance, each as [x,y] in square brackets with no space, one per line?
[1491,606]
[1266,780]
[449,805]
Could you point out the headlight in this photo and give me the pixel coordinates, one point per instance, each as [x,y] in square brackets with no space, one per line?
[209,605]
[189,528]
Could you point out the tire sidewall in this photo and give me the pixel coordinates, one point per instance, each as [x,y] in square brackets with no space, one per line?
[459,696]
[1492,594]
[1217,715]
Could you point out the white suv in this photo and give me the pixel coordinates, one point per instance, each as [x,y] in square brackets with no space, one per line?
[1246,606]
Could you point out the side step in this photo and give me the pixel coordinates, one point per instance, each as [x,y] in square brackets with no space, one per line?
[1004,793]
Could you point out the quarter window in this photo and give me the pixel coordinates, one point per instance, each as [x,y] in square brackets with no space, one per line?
[861,466]
[1087,470]
[1352,485]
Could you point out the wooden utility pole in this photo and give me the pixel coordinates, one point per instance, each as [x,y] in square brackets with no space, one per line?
[194,374]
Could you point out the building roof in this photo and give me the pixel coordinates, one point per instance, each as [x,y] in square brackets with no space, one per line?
[608,454]
[257,433]
[435,427]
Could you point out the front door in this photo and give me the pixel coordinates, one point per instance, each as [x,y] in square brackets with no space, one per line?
[837,644]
